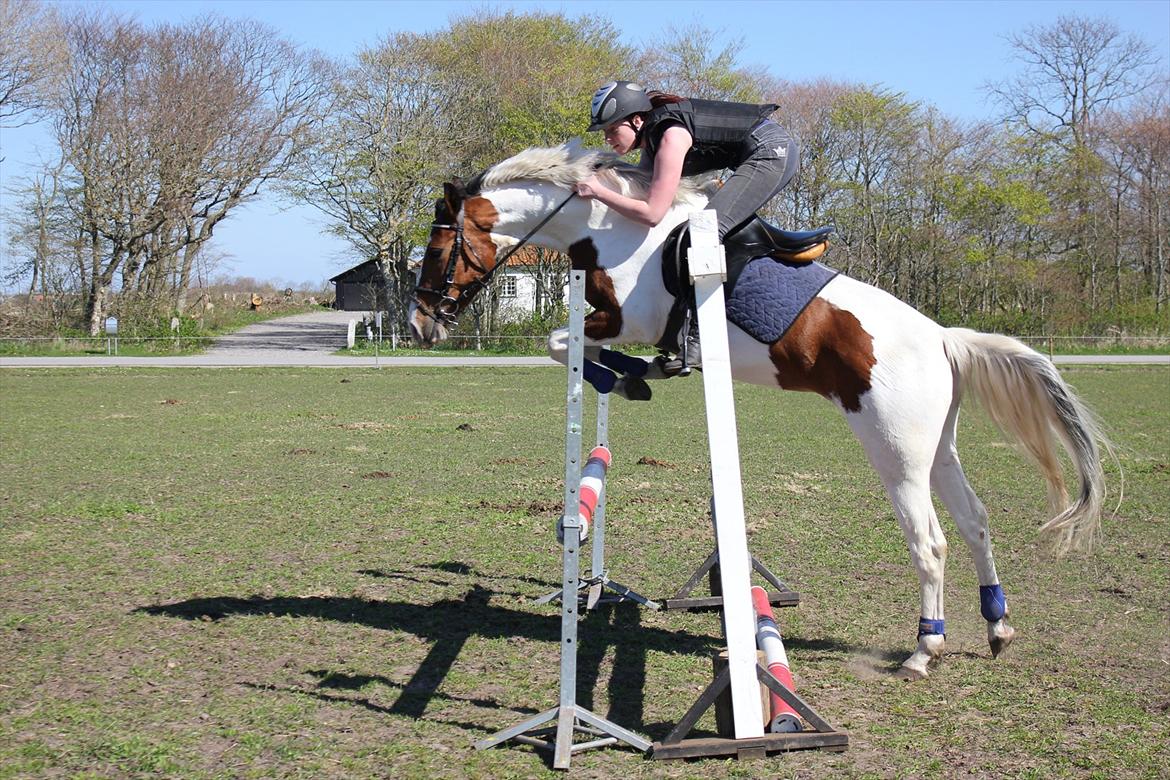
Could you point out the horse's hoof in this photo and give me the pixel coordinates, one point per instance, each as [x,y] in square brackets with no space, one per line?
[910,675]
[1001,641]
[632,388]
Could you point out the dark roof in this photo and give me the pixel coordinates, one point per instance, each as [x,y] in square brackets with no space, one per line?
[364,272]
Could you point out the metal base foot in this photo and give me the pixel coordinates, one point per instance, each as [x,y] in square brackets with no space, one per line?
[570,721]
[591,592]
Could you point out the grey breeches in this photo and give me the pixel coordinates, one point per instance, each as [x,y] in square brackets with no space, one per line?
[765,172]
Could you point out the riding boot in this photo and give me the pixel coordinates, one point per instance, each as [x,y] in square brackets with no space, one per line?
[690,354]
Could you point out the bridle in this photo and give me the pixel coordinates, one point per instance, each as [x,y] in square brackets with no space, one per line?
[448,307]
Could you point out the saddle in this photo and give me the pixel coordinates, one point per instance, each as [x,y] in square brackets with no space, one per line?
[755,239]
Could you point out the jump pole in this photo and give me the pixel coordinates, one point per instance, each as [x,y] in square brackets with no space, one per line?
[570,718]
[743,674]
[599,580]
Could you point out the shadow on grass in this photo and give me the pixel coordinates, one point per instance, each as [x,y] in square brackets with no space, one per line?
[458,568]
[449,623]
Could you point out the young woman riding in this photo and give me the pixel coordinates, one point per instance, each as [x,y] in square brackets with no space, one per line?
[680,137]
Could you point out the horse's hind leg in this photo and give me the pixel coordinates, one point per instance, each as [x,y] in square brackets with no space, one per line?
[928,550]
[903,464]
[953,489]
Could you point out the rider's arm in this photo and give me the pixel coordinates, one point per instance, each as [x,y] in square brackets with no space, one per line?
[668,163]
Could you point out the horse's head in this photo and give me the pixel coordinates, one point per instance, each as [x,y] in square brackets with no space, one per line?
[458,262]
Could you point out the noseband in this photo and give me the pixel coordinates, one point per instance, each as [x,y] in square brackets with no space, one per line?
[448,307]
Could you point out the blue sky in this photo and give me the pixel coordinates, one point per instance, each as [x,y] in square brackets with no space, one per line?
[937,52]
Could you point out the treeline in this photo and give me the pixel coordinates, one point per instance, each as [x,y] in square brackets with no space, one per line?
[1049,217]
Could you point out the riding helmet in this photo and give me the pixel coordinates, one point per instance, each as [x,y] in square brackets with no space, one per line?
[616,101]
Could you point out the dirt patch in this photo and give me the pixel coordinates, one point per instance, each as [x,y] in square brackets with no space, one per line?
[364,426]
[646,460]
[539,507]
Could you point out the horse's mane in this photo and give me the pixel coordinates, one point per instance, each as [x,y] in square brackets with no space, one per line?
[569,163]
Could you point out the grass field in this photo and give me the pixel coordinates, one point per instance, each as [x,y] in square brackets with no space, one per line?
[327,573]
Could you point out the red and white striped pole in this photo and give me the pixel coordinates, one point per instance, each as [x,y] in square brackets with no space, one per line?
[592,485]
[782,719]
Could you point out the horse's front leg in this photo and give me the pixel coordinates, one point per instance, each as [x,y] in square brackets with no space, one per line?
[597,366]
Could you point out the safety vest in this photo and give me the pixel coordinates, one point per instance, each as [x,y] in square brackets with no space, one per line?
[719,130]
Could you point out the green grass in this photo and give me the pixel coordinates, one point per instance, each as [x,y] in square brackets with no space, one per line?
[318,573]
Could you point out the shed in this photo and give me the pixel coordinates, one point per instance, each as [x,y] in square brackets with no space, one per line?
[362,288]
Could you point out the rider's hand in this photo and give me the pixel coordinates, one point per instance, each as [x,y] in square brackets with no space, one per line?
[589,187]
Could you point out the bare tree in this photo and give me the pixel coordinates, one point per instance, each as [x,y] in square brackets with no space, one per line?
[1140,153]
[164,132]
[232,108]
[31,59]
[1074,69]
[98,120]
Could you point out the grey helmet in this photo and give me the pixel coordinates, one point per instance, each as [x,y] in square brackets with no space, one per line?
[616,101]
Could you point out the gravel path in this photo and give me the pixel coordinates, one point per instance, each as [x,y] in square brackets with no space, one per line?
[316,333]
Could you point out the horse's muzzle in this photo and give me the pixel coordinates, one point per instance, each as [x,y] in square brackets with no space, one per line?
[425,329]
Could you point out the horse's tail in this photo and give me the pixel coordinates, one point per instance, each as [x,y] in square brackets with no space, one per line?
[1026,397]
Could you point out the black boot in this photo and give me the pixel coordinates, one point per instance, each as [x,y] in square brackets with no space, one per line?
[690,355]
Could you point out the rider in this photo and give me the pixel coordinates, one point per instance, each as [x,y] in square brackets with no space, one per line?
[680,137]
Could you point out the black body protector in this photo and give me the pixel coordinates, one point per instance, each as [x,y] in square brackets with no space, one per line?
[719,131]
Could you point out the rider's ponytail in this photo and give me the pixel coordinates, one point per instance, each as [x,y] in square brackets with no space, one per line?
[662,98]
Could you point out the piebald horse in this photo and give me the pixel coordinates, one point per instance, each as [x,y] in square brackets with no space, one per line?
[896,375]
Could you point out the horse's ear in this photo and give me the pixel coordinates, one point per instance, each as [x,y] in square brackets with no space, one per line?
[454,193]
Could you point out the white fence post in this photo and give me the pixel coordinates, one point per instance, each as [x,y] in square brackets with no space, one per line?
[708,271]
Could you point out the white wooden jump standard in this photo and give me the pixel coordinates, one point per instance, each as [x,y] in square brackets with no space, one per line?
[570,718]
[743,674]
[708,271]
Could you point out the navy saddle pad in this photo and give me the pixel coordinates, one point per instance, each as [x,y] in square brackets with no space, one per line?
[770,294]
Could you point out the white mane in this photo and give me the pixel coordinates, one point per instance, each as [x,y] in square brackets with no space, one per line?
[569,163]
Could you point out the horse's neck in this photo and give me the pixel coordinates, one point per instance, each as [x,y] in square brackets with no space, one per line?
[618,240]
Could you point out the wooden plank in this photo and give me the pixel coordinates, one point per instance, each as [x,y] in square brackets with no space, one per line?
[704,747]
[775,598]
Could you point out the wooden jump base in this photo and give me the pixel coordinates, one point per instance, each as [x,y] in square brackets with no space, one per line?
[779,596]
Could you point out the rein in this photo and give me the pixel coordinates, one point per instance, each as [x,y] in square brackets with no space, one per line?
[448,307]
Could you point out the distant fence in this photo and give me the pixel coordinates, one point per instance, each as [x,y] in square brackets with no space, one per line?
[335,340]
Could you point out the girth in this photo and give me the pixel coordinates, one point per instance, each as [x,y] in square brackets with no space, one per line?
[755,239]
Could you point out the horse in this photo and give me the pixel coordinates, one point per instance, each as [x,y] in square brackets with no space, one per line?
[896,375]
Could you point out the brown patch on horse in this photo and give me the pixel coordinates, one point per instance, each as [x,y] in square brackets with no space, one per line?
[605,321]
[825,351]
[479,253]
[480,218]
